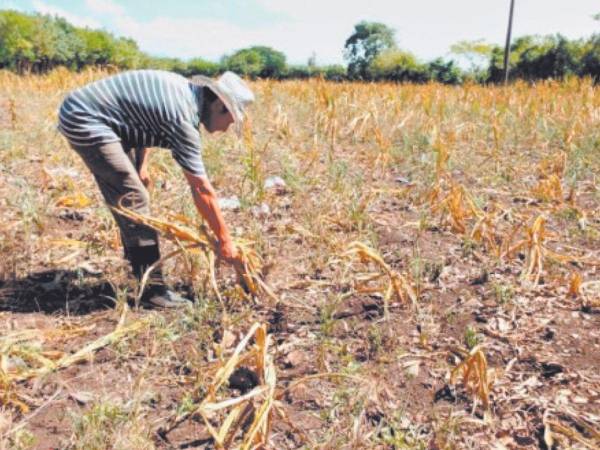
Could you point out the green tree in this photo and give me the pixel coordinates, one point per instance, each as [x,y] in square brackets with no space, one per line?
[446,72]
[257,61]
[98,47]
[40,42]
[126,54]
[274,62]
[546,57]
[68,43]
[397,65]
[53,43]
[16,46]
[476,53]
[590,61]
[367,41]
[199,66]
[334,72]
[539,57]
[300,72]
[247,62]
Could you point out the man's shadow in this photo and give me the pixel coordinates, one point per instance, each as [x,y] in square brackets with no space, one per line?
[57,291]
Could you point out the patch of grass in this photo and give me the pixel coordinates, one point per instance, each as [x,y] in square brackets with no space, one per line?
[399,433]
[503,293]
[472,338]
[338,172]
[22,439]
[327,321]
[375,340]
[186,405]
[568,213]
[468,247]
[447,432]
[98,428]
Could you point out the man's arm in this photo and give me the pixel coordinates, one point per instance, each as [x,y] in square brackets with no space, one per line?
[207,205]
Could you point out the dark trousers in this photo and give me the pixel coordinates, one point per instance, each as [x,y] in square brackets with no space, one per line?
[118,180]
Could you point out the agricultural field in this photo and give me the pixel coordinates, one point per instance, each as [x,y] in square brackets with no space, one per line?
[430,273]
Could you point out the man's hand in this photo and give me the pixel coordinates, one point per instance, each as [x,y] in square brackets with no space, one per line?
[145,177]
[141,165]
[228,253]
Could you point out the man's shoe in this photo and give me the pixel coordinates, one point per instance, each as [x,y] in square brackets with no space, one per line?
[160,296]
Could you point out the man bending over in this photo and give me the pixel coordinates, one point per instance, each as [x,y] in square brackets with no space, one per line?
[152,108]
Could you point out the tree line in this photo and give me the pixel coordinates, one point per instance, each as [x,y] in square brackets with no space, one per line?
[38,43]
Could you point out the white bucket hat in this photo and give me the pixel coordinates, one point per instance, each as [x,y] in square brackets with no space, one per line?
[233,92]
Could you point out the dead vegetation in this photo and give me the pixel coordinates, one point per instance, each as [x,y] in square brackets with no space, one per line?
[422,273]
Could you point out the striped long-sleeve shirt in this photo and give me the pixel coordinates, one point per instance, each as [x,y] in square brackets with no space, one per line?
[141,108]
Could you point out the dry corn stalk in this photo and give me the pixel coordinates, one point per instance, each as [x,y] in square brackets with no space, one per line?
[202,239]
[455,206]
[484,232]
[573,435]
[575,285]
[83,353]
[535,258]
[397,284]
[24,347]
[78,200]
[37,363]
[474,371]
[442,155]
[257,403]
[549,189]
[537,251]
[554,165]
[9,397]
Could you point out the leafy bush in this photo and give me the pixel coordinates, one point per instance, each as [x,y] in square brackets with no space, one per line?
[258,61]
[397,65]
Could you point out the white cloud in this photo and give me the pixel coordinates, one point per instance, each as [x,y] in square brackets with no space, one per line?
[74,19]
[426,27]
[181,37]
[108,7]
[429,27]
[212,39]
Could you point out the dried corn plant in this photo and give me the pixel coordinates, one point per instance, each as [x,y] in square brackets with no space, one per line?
[397,285]
[475,376]
[189,239]
[34,361]
[485,230]
[247,416]
[549,189]
[557,433]
[575,282]
[454,205]
[23,356]
[536,234]
[537,251]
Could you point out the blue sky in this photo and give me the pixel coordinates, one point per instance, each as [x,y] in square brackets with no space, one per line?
[211,28]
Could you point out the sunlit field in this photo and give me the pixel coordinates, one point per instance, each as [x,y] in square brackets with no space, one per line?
[426,275]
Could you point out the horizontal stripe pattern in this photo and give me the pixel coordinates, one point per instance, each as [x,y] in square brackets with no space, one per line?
[140,108]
